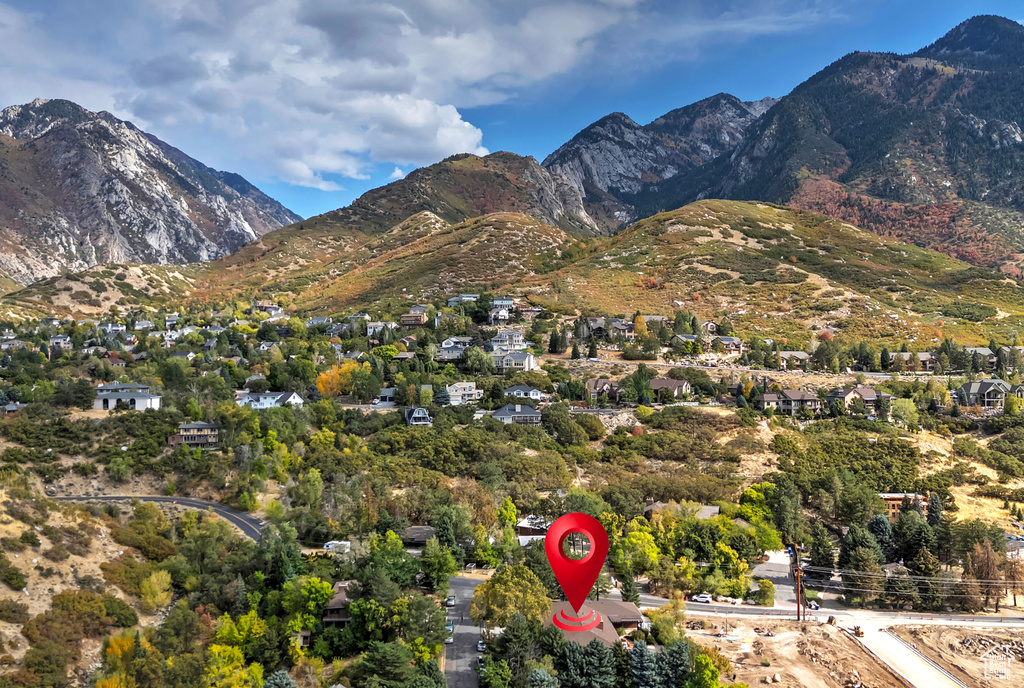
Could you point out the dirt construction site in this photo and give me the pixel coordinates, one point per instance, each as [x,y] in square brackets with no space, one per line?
[988,658]
[794,653]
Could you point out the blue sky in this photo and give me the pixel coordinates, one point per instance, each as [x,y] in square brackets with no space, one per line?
[316,101]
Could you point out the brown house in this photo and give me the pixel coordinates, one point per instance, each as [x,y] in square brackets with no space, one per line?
[196,436]
[336,612]
[614,614]
[413,320]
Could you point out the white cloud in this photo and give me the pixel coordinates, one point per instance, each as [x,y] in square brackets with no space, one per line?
[307,90]
[397,174]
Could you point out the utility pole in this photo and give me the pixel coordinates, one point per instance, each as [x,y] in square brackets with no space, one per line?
[799,587]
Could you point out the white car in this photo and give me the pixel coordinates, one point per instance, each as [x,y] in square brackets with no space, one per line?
[481,646]
[450,602]
[449,640]
[703,597]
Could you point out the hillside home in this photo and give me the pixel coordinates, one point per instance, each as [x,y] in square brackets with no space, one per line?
[733,345]
[263,305]
[988,394]
[412,320]
[679,388]
[515,361]
[62,342]
[319,321]
[613,617]
[143,325]
[135,396]
[499,315]
[525,392]
[449,353]
[893,501]
[509,339]
[925,360]
[265,400]
[13,344]
[456,343]
[418,416]
[377,326]
[464,393]
[709,327]
[112,328]
[441,318]
[603,387]
[196,436]
[789,401]
[518,414]
[794,359]
[462,298]
[387,394]
[419,309]
[868,395]
[336,611]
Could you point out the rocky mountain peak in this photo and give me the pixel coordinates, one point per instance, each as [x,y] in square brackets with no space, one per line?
[78,188]
[986,37]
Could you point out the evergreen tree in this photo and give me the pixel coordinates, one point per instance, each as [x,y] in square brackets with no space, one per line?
[441,396]
[857,538]
[553,342]
[675,664]
[935,507]
[863,578]
[880,527]
[911,533]
[929,588]
[538,678]
[630,593]
[600,665]
[575,352]
[279,679]
[592,351]
[623,674]
[900,589]
[572,669]
[643,666]
[885,359]
[821,554]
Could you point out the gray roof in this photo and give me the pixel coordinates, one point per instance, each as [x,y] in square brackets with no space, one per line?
[516,411]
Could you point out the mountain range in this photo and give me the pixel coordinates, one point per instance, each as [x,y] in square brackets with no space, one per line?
[79,188]
[922,149]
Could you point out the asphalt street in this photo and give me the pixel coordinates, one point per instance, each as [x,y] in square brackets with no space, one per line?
[461,656]
[250,526]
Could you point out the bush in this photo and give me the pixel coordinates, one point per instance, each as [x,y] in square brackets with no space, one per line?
[30,538]
[11,575]
[119,612]
[592,425]
[13,612]
[765,595]
[644,413]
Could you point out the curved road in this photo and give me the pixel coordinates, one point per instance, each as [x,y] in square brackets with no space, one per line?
[250,526]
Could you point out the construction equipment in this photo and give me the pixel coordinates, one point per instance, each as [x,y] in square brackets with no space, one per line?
[831,621]
[857,631]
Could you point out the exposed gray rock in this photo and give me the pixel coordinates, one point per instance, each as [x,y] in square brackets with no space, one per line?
[79,188]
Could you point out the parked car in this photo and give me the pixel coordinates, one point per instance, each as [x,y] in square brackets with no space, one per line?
[449,626]
[450,602]
[703,597]
[450,639]
[481,646]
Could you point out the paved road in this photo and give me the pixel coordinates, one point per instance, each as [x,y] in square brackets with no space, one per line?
[460,656]
[902,659]
[249,525]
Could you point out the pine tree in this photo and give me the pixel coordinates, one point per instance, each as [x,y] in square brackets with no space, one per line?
[575,352]
[821,554]
[900,589]
[969,590]
[592,350]
[880,527]
[538,678]
[864,578]
[600,665]
[643,666]
[675,664]
[630,593]
[929,588]
[935,507]
[553,342]
[623,675]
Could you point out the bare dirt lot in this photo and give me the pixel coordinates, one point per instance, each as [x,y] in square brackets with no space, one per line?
[799,654]
[959,650]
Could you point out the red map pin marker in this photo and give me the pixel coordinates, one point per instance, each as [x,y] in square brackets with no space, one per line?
[576,576]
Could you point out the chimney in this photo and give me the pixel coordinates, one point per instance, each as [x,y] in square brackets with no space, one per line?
[650,501]
[518,408]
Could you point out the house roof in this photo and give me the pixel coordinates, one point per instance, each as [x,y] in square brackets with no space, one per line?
[196,426]
[985,387]
[521,388]
[517,411]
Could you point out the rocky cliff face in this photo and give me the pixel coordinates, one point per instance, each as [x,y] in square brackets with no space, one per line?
[614,157]
[79,188]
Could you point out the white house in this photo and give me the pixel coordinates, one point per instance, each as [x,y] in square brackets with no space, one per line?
[514,360]
[61,341]
[513,340]
[525,392]
[378,326]
[137,397]
[265,400]
[464,393]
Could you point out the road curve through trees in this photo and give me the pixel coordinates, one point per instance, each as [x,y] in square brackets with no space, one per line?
[250,526]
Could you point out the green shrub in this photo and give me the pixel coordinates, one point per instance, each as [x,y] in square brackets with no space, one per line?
[13,612]
[765,595]
[119,612]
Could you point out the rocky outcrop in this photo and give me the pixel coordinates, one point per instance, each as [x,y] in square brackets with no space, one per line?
[617,156]
[79,188]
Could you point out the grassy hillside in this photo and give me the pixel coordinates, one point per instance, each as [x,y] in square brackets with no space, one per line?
[773,271]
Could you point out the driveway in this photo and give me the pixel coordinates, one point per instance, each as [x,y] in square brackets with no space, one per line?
[460,656]
[250,526]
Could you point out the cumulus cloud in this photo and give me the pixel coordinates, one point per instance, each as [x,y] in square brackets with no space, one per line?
[313,90]
[397,174]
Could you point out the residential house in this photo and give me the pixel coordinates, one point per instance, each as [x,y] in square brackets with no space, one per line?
[418,416]
[336,329]
[412,320]
[196,436]
[186,355]
[532,525]
[869,395]
[441,318]
[709,327]
[417,536]
[612,618]
[499,315]
[13,344]
[408,342]
[594,327]
[336,612]
[319,321]
[504,302]
[464,393]
[377,326]
[986,353]
[112,328]
[603,387]
[419,309]
[171,321]
[525,392]
[386,394]
[794,359]
[621,329]
[116,359]
[924,360]
[733,345]
[512,340]
[514,360]
[988,394]
[462,298]
[143,325]
[135,396]
[62,342]
[449,353]
[517,414]
[789,401]
[893,501]
[679,388]
[263,305]
[456,343]
[265,400]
